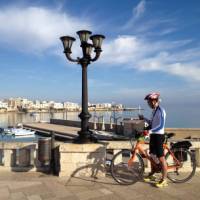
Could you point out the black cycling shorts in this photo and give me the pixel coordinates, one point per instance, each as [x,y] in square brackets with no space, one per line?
[156,144]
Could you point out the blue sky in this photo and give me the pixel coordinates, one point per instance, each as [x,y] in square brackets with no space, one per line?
[150,45]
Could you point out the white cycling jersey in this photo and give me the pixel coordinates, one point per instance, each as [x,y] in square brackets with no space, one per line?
[157,121]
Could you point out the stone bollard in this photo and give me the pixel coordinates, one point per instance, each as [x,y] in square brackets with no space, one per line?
[103,124]
[8,158]
[95,123]
[111,124]
[197,156]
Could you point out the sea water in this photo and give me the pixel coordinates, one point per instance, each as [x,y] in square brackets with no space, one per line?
[174,118]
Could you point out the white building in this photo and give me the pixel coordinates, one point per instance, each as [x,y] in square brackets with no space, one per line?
[44,105]
[37,104]
[119,106]
[71,106]
[51,104]
[3,105]
[103,105]
[25,103]
[58,105]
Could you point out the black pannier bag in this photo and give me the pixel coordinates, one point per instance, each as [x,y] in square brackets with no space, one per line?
[180,154]
[182,144]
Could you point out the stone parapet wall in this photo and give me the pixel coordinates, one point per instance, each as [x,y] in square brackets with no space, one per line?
[74,159]
[20,156]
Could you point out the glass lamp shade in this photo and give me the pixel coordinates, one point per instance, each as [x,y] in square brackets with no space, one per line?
[84,35]
[88,49]
[97,40]
[67,42]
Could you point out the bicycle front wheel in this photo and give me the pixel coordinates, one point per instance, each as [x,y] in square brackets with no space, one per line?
[187,168]
[124,174]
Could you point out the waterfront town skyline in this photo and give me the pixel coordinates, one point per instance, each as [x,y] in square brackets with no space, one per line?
[25,105]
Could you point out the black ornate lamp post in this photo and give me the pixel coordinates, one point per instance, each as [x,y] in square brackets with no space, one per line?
[85,135]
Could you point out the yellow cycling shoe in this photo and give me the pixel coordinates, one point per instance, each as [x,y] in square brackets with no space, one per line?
[161,184]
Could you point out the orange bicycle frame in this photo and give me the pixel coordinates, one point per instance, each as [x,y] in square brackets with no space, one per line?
[138,148]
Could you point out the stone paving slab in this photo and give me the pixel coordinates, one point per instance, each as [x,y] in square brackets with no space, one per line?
[38,186]
[4,192]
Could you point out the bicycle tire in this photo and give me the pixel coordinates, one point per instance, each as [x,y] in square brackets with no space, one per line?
[181,175]
[123,174]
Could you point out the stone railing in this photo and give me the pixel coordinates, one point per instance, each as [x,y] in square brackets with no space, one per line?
[20,156]
[72,159]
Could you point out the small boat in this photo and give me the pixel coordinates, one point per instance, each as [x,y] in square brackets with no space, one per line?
[22,132]
[7,131]
[24,136]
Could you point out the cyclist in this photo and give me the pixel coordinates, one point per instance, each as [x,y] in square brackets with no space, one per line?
[156,131]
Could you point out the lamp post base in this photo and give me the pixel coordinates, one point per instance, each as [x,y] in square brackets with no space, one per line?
[85,137]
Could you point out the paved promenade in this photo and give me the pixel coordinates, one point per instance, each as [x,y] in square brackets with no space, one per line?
[38,186]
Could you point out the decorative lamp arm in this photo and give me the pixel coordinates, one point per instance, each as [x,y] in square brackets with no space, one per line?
[98,53]
[68,55]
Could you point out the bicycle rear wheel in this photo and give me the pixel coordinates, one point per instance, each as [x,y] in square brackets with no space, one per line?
[186,170]
[124,174]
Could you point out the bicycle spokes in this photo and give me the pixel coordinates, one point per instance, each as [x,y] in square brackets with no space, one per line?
[126,168]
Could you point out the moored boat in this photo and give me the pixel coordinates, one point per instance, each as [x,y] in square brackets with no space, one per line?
[21,132]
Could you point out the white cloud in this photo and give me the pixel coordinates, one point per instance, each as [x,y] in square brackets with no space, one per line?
[140,23]
[169,57]
[37,29]
[138,12]
[139,9]
[121,50]
[187,71]
[167,31]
